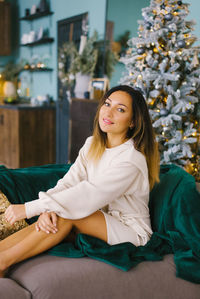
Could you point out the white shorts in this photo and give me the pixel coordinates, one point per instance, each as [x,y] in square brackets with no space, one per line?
[118,232]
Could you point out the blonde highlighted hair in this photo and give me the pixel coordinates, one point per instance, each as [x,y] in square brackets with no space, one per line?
[142,133]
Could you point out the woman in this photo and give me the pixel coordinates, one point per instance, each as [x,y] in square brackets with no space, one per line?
[106,191]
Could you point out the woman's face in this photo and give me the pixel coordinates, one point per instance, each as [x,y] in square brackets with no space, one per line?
[115,116]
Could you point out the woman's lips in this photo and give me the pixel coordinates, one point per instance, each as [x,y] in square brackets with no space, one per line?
[107,121]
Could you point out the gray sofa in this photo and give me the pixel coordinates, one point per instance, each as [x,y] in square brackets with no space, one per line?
[50,277]
[53,277]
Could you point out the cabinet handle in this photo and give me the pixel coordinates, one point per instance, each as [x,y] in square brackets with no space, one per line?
[1,119]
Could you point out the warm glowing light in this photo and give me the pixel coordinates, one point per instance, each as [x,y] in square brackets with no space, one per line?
[155,50]
[152,102]
[165,99]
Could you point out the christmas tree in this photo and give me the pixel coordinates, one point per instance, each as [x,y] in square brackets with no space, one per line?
[163,63]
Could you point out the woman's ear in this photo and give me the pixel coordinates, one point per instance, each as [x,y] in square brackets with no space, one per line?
[131,125]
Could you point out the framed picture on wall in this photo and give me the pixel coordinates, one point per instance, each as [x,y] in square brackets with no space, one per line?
[97,88]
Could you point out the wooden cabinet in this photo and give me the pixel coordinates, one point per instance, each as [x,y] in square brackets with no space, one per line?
[5,28]
[27,136]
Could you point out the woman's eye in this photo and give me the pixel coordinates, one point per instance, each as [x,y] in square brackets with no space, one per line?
[106,104]
[121,110]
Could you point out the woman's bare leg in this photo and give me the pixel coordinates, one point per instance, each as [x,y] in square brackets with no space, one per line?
[28,242]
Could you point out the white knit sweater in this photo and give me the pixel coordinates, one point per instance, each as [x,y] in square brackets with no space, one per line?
[118,183]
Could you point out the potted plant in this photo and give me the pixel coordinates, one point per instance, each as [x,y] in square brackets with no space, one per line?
[80,66]
[10,75]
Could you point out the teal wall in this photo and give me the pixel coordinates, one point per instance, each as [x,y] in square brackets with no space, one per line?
[194,9]
[126,13]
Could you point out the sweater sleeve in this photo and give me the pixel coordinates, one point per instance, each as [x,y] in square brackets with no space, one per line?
[85,198]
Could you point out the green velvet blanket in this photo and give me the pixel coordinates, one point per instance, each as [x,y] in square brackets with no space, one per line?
[175,215]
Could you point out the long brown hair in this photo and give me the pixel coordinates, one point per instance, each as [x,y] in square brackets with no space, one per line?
[142,133]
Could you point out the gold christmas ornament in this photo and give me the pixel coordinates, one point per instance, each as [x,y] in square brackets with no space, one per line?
[155,50]
[169,34]
[152,102]
[165,99]
[189,167]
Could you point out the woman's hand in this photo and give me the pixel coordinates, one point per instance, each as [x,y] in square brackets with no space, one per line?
[14,213]
[47,223]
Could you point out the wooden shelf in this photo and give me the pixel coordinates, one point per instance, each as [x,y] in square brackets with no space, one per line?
[36,16]
[39,70]
[45,40]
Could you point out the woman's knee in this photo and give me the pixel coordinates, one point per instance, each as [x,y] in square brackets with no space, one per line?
[63,222]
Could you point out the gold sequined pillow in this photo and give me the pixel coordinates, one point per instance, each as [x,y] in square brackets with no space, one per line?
[7,229]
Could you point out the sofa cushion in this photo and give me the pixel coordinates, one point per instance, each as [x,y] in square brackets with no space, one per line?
[9,289]
[56,277]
